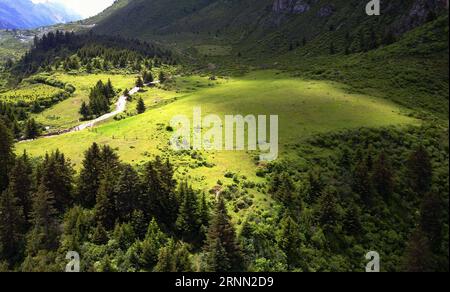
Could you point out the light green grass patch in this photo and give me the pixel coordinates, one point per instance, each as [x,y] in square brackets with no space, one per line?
[65,114]
[30,93]
[304,107]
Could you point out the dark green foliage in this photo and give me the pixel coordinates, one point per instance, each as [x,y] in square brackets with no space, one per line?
[139,82]
[342,220]
[174,257]
[127,193]
[105,209]
[189,221]
[328,214]
[85,111]
[21,183]
[431,219]
[159,195]
[140,108]
[153,242]
[32,130]
[57,176]
[147,77]
[89,179]
[383,177]
[44,232]
[79,50]
[100,98]
[420,170]
[12,227]
[6,155]
[289,240]
[162,77]
[222,250]
[418,257]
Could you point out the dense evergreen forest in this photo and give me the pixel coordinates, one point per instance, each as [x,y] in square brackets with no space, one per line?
[381,190]
[74,50]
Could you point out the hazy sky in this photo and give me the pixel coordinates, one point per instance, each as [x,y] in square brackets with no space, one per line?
[85,8]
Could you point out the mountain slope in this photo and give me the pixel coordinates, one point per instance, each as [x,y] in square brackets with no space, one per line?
[264,25]
[24,14]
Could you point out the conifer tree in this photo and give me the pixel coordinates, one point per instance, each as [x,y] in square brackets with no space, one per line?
[127,192]
[148,77]
[223,253]
[162,77]
[12,227]
[140,108]
[31,129]
[105,211]
[418,256]
[431,219]
[89,179]
[56,175]
[188,222]
[204,212]
[174,257]
[84,111]
[383,176]
[154,240]
[420,170]
[6,155]
[45,231]
[159,195]
[352,220]
[139,82]
[289,240]
[362,183]
[328,215]
[21,183]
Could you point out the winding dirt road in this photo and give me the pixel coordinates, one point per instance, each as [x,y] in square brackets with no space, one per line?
[120,107]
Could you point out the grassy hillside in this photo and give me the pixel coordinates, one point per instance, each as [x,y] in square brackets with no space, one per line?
[363,137]
[305,108]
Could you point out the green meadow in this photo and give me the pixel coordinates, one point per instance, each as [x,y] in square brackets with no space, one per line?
[66,113]
[304,107]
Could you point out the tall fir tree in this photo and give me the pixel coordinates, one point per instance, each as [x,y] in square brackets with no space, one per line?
[362,182]
[105,209]
[188,222]
[289,240]
[420,170]
[140,107]
[12,227]
[159,192]
[418,256]
[127,193]
[6,154]
[90,175]
[431,222]
[328,214]
[222,250]
[57,176]
[383,177]
[21,183]
[44,232]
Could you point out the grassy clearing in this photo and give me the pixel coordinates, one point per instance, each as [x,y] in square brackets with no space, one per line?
[304,107]
[31,93]
[65,114]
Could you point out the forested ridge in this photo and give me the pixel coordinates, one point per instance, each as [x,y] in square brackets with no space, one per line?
[386,194]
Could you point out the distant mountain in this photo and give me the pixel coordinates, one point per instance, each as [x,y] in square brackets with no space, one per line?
[24,14]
